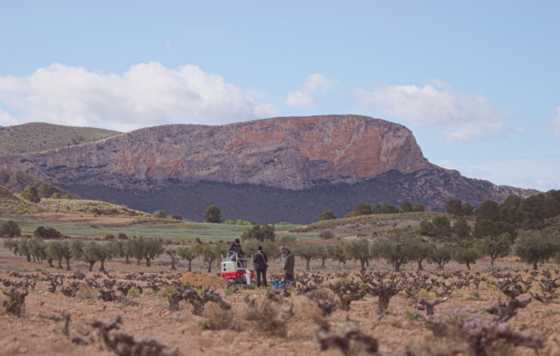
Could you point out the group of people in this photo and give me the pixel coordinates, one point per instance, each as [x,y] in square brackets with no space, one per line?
[260,262]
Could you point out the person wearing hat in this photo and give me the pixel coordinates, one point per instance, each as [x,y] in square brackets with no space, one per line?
[260,261]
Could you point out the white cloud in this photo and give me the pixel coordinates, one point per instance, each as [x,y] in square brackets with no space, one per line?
[265,111]
[556,122]
[305,95]
[147,94]
[461,116]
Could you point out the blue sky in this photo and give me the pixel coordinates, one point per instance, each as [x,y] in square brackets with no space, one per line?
[476,81]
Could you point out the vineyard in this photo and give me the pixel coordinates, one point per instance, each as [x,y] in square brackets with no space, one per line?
[154,311]
[411,284]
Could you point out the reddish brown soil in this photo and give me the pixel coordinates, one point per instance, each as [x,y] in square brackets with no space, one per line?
[36,334]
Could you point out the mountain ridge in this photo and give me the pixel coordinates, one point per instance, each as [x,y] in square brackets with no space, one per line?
[34,137]
[363,157]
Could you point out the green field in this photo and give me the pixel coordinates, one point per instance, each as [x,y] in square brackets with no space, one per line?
[166,230]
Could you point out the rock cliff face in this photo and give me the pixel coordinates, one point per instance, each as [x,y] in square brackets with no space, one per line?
[289,153]
[288,169]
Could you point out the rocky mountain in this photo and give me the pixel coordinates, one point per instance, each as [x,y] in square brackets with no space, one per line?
[287,169]
[36,137]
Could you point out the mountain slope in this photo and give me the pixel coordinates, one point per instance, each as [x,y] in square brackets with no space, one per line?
[262,204]
[36,137]
[290,153]
[266,170]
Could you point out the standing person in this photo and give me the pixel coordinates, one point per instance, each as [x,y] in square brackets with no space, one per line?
[260,261]
[289,266]
[235,249]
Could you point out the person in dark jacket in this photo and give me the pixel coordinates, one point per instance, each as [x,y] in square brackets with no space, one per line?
[235,249]
[289,265]
[260,262]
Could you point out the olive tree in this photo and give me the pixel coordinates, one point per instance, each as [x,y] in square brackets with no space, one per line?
[188,253]
[55,251]
[535,247]
[153,248]
[360,250]
[308,252]
[496,246]
[396,251]
[466,253]
[94,252]
[419,250]
[339,252]
[441,254]
[210,252]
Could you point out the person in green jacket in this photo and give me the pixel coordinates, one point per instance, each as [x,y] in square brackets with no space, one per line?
[289,266]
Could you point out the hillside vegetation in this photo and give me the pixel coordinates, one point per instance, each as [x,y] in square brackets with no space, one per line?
[10,204]
[35,137]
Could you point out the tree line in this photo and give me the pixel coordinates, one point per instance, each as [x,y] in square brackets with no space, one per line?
[533,247]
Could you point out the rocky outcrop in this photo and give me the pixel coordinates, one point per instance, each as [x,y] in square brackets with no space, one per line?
[288,169]
[289,153]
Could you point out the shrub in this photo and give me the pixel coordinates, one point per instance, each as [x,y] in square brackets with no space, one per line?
[406,207]
[217,318]
[327,215]
[327,235]
[213,214]
[238,222]
[47,233]
[260,233]
[10,229]
[384,209]
[442,226]
[461,229]
[427,228]
[122,236]
[456,207]
[439,227]
[363,209]
[31,194]
[270,314]
[488,210]
[161,214]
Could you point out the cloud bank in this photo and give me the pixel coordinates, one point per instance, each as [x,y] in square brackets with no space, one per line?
[462,117]
[304,96]
[147,94]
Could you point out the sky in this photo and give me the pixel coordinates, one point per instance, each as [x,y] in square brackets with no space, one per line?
[478,82]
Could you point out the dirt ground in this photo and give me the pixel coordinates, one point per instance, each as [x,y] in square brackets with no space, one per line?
[147,316]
